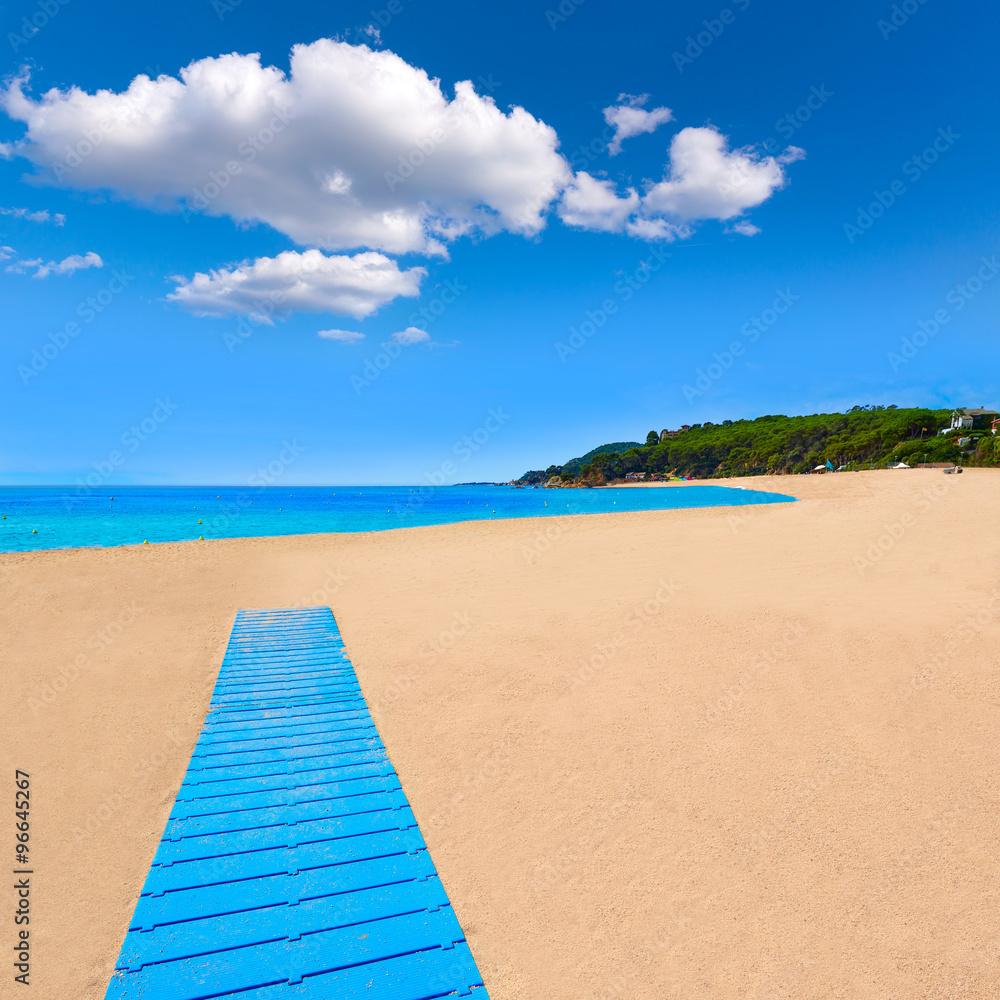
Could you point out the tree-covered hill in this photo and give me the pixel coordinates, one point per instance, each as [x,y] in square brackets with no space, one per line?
[574,465]
[866,436]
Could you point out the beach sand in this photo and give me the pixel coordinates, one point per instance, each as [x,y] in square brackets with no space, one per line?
[724,753]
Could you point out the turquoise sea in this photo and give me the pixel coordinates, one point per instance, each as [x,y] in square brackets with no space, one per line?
[55,517]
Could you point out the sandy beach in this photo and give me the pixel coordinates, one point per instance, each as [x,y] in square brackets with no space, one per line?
[724,753]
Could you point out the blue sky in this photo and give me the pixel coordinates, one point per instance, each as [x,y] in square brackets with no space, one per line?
[811,114]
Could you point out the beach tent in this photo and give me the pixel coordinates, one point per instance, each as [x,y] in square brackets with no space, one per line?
[902,465]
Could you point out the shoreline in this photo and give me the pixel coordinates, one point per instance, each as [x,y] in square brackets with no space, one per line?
[613,731]
[295,517]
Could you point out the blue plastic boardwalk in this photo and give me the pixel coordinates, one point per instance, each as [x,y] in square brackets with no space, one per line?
[291,866]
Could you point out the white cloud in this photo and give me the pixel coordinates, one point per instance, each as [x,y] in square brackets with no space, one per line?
[630,119]
[342,336]
[24,265]
[791,155]
[355,149]
[657,229]
[42,216]
[352,148]
[75,262]
[592,204]
[707,180]
[302,282]
[704,179]
[744,228]
[412,335]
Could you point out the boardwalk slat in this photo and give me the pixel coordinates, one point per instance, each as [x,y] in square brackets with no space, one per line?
[292,866]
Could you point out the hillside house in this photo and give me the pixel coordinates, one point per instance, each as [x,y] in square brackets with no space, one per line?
[973,420]
[664,434]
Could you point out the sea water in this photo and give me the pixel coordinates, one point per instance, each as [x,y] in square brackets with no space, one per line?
[53,517]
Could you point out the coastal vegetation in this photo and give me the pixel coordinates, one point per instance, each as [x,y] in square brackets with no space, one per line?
[864,437]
